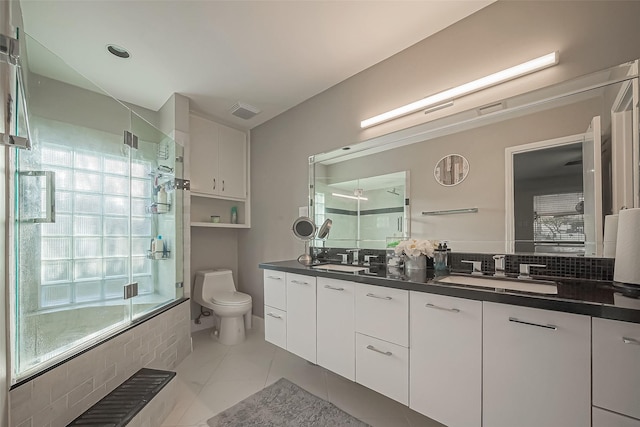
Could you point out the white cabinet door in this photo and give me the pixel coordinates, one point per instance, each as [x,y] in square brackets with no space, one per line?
[383,313]
[275,326]
[536,367]
[233,163]
[204,141]
[616,366]
[336,326]
[446,359]
[275,289]
[301,316]
[383,367]
[602,418]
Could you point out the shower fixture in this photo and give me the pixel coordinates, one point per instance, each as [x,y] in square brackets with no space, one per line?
[393,191]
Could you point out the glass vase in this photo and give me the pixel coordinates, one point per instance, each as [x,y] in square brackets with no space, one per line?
[417,262]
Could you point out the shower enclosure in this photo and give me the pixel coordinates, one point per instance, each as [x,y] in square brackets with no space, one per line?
[96,215]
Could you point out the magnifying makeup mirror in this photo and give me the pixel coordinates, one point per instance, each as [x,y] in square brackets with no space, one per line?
[325,228]
[304,229]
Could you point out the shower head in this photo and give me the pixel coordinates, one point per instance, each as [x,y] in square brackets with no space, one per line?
[393,191]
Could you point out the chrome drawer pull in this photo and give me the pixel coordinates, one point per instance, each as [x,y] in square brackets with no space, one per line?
[453,310]
[274,277]
[299,282]
[513,319]
[274,315]
[379,297]
[628,340]
[331,287]
[372,348]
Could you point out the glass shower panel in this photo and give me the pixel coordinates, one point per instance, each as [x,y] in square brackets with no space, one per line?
[72,229]
[153,217]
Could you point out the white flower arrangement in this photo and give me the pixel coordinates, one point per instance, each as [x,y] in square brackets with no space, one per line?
[415,247]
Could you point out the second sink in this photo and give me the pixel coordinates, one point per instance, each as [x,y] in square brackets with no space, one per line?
[493,283]
[340,267]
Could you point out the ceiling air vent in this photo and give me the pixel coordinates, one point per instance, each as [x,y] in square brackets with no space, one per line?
[244,111]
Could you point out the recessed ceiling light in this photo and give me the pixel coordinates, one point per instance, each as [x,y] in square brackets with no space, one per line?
[118,51]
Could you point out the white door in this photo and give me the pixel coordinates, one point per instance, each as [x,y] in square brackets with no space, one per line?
[536,367]
[203,144]
[301,316]
[592,188]
[446,359]
[336,326]
[233,163]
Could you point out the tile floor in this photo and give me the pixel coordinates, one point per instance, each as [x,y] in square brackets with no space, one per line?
[215,377]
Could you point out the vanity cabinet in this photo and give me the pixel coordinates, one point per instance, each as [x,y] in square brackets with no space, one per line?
[336,326]
[218,159]
[275,306]
[382,340]
[301,316]
[616,367]
[446,355]
[536,367]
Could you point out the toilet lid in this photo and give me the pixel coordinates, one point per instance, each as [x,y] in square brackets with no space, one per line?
[231,298]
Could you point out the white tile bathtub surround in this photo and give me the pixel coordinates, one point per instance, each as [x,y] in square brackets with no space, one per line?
[58,396]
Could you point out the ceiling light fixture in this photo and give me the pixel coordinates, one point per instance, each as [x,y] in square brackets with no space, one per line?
[118,51]
[467,88]
[347,196]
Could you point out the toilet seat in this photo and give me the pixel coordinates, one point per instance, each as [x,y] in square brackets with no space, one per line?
[231,298]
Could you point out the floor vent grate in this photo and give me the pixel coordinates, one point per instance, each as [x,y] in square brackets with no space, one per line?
[119,407]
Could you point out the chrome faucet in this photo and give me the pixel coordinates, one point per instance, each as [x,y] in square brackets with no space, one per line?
[344,258]
[355,255]
[367,259]
[476,269]
[524,270]
[499,265]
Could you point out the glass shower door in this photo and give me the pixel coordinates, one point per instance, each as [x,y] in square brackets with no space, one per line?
[72,208]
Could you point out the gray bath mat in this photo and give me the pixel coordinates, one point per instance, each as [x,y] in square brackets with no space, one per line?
[284,404]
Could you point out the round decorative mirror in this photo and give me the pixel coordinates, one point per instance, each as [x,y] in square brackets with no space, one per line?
[451,170]
[304,229]
[323,232]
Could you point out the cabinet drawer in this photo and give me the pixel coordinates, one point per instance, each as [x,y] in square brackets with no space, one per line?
[616,366]
[383,313]
[383,367]
[336,326]
[602,418]
[275,326]
[275,291]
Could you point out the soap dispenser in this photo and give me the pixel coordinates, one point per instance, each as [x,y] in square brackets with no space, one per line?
[440,259]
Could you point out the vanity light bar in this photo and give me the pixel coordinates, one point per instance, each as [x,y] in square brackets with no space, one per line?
[528,67]
[347,196]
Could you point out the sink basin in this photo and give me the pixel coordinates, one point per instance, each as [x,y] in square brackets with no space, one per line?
[508,284]
[340,267]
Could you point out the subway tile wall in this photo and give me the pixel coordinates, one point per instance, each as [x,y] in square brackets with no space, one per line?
[58,396]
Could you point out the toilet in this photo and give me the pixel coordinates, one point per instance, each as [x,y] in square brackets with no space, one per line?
[214,289]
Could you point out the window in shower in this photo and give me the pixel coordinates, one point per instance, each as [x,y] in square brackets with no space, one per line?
[85,253]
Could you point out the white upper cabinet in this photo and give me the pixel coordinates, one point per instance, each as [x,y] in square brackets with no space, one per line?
[218,159]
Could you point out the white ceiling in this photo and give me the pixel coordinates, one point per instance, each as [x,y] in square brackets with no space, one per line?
[269,54]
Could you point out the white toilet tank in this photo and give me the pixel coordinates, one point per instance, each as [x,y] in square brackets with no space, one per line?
[210,281]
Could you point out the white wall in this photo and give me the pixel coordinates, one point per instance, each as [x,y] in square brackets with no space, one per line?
[589,35]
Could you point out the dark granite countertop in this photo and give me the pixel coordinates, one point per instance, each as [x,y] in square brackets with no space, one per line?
[592,298]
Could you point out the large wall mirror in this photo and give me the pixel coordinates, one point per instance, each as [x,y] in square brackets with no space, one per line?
[548,165]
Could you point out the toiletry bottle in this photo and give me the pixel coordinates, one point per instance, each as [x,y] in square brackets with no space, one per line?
[234,215]
[152,248]
[439,258]
[447,253]
[158,248]
[163,207]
